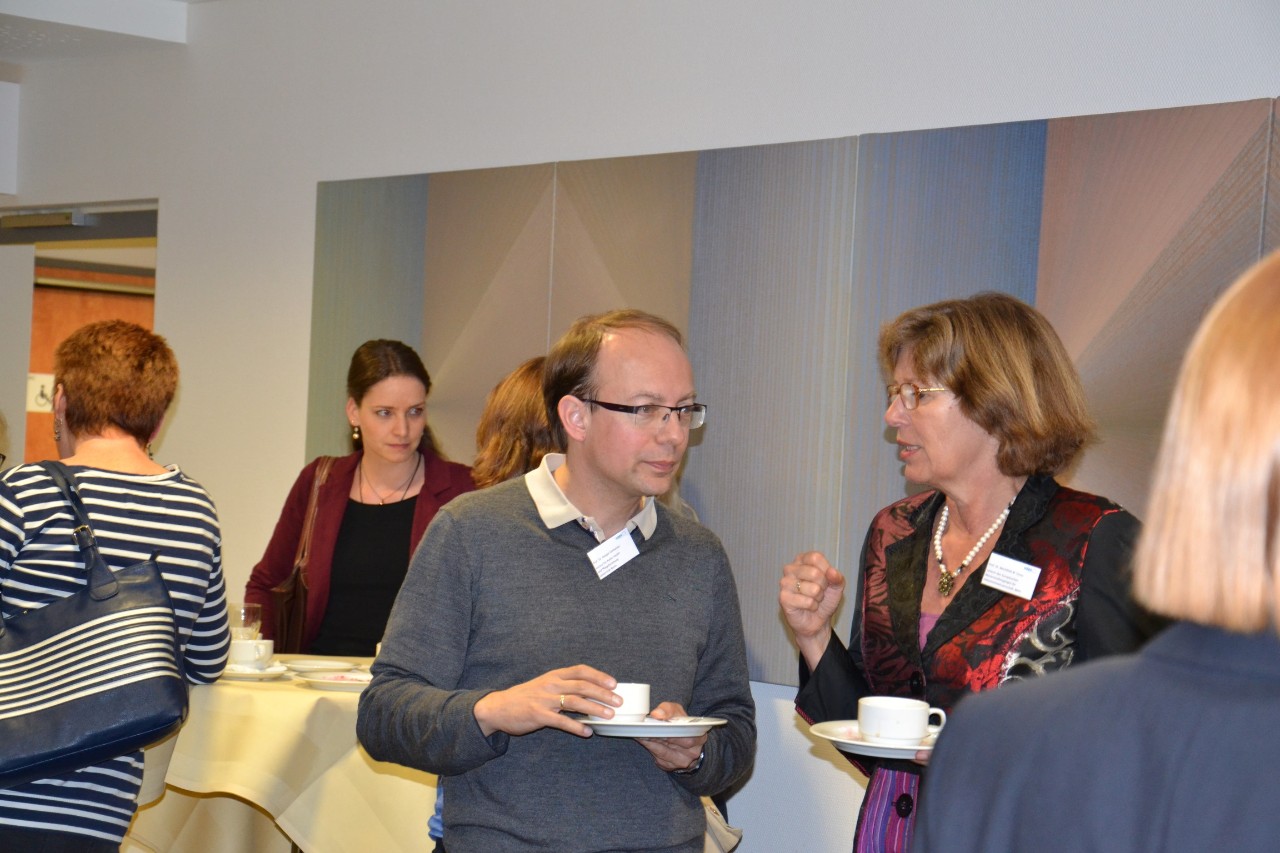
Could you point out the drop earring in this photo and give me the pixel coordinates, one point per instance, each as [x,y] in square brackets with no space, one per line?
[57,429]
[355,432]
[150,455]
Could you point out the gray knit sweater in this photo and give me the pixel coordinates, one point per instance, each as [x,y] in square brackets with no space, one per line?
[492,599]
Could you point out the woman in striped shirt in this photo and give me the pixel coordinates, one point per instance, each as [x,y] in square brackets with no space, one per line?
[113,382]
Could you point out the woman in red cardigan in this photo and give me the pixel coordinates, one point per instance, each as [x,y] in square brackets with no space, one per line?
[373,507]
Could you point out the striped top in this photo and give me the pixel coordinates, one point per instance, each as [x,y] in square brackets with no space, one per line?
[134,516]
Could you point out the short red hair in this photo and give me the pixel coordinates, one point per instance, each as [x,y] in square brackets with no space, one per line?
[115,374]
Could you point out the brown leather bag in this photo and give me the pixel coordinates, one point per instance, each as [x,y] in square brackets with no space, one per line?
[290,597]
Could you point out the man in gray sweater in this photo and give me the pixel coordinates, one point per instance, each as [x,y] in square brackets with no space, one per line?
[526,603]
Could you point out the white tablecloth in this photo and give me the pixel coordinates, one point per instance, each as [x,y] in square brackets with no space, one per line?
[263,764]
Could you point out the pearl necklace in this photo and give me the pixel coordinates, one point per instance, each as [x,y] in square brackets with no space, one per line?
[947,580]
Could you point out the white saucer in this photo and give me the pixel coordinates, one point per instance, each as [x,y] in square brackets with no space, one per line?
[319,665]
[344,682]
[847,737]
[649,727]
[239,672]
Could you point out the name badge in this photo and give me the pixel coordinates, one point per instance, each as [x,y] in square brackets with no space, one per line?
[1012,576]
[613,553]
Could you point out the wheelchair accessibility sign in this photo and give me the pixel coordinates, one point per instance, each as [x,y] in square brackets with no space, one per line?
[39,392]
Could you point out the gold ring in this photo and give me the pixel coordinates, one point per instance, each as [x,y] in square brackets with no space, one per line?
[561,701]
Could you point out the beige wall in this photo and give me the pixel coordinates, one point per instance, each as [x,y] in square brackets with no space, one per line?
[16,266]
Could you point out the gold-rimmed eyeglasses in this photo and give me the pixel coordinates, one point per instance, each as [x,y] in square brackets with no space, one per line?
[909,393]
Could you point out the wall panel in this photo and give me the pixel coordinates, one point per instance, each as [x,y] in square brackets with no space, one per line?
[801,253]
[941,214]
[1271,225]
[515,255]
[368,284]
[1148,216]
[623,237]
[487,280]
[769,333]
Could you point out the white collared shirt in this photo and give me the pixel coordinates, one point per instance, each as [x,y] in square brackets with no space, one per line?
[555,509]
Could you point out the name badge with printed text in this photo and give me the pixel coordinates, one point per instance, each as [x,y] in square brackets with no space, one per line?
[1011,576]
[613,553]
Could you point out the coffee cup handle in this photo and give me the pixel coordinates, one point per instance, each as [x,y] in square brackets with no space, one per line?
[941,714]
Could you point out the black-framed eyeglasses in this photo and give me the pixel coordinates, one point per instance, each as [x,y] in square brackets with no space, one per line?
[909,393]
[653,415]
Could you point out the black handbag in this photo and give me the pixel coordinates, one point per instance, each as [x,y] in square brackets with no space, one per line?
[92,676]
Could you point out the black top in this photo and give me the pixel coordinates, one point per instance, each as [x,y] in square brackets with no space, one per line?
[369,564]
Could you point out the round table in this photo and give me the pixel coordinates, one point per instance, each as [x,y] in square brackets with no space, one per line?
[267,765]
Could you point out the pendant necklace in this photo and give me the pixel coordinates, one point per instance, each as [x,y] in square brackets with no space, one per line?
[946,579]
[403,494]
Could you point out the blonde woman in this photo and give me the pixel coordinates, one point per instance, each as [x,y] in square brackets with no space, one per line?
[1173,748]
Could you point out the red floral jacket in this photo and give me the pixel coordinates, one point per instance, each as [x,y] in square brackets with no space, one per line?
[1081,608]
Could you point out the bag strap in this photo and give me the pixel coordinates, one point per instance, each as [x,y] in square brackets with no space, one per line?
[102,582]
[313,503]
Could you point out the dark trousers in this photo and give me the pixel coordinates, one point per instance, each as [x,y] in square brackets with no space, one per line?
[15,839]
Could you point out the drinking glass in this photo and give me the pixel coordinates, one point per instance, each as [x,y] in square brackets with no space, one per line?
[246,621]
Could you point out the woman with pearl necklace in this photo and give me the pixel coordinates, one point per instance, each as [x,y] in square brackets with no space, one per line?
[994,572]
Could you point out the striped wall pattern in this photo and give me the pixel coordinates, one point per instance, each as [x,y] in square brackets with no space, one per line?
[801,252]
[770,340]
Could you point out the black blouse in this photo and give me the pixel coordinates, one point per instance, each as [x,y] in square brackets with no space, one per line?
[369,564]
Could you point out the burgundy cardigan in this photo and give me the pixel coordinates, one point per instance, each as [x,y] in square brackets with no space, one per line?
[443,481]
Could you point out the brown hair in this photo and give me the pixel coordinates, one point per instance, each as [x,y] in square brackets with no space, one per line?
[513,434]
[376,360]
[570,366]
[1008,368]
[115,373]
[1211,549]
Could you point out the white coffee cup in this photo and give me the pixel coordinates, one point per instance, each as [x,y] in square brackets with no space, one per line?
[896,719]
[635,703]
[252,653]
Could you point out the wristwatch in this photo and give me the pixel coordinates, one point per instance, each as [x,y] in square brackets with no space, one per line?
[697,765]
